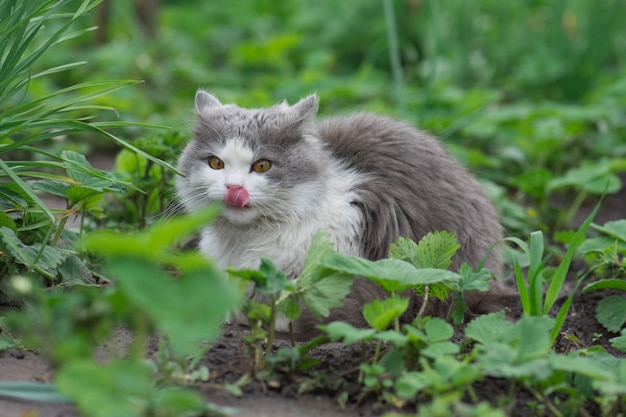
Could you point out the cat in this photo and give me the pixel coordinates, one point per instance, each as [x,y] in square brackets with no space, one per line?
[365,178]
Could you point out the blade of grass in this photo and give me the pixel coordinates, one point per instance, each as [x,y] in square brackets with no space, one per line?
[561,273]
[32,391]
[27,190]
[535,281]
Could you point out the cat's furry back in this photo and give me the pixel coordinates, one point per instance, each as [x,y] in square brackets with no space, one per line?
[367,179]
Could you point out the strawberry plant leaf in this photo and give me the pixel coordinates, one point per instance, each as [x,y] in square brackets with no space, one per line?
[393,275]
[380,314]
[611,312]
[339,330]
[119,388]
[619,342]
[488,328]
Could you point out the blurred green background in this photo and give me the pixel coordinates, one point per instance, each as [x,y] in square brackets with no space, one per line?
[530,95]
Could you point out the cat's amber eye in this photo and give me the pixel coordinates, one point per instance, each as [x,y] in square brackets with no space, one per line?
[216,163]
[262,165]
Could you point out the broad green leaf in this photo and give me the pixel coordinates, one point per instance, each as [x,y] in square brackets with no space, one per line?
[606,284]
[6,221]
[339,330]
[320,248]
[592,177]
[380,314]
[615,228]
[435,250]
[43,258]
[274,280]
[410,384]
[327,293]
[611,312]
[393,337]
[404,249]
[438,330]
[531,335]
[581,365]
[599,244]
[473,280]
[488,328]
[188,310]
[436,350]
[177,401]
[154,243]
[393,275]
[619,342]
[118,388]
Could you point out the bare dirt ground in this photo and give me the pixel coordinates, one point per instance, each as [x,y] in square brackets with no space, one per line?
[283,399]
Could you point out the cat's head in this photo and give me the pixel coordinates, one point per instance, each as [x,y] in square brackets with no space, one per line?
[259,162]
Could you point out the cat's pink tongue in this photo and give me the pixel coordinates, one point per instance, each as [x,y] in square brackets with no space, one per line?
[236,196]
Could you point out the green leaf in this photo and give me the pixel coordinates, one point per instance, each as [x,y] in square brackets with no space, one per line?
[619,342]
[274,280]
[488,328]
[32,391]
[410,384]
[404,249]
[606,284]
[153,244]
[436,249]
[611,312]
[393,275]
[473,280]
[118,388]
[556,283]
[591,177]
[380,314]
[438,330]
[44,259]
[189,310]
[326,294]
[339,330]
[615,229]
[581,365]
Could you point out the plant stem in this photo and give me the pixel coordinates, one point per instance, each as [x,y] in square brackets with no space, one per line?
[394,53]
[425,303]
[272,328]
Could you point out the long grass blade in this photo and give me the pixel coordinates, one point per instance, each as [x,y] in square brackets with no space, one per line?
[561,273]
[27,190]
[32,391]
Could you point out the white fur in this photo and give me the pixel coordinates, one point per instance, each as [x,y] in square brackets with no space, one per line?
[286,239]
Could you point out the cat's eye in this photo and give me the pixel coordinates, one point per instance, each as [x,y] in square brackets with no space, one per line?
[262,165]
[216,163]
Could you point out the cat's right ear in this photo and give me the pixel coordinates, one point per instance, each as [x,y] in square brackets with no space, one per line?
[307,107]
[205,101]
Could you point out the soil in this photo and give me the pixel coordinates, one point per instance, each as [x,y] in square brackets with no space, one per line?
[281,396]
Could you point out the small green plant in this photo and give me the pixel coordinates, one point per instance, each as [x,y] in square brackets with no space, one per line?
[186,306]
[31,231]
[534,301]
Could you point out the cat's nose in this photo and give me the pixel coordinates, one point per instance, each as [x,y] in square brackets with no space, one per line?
[234,186]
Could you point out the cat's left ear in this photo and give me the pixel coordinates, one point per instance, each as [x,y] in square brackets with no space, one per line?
[204,101]
[306,108]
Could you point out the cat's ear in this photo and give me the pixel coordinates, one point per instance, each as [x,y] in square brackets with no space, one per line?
[204,101]
[306,108]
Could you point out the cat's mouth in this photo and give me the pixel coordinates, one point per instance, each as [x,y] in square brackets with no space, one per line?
[237,197]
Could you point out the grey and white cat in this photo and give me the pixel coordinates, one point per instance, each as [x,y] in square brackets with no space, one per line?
[365,178]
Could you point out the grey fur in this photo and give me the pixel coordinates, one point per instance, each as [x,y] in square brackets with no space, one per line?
[411,185]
